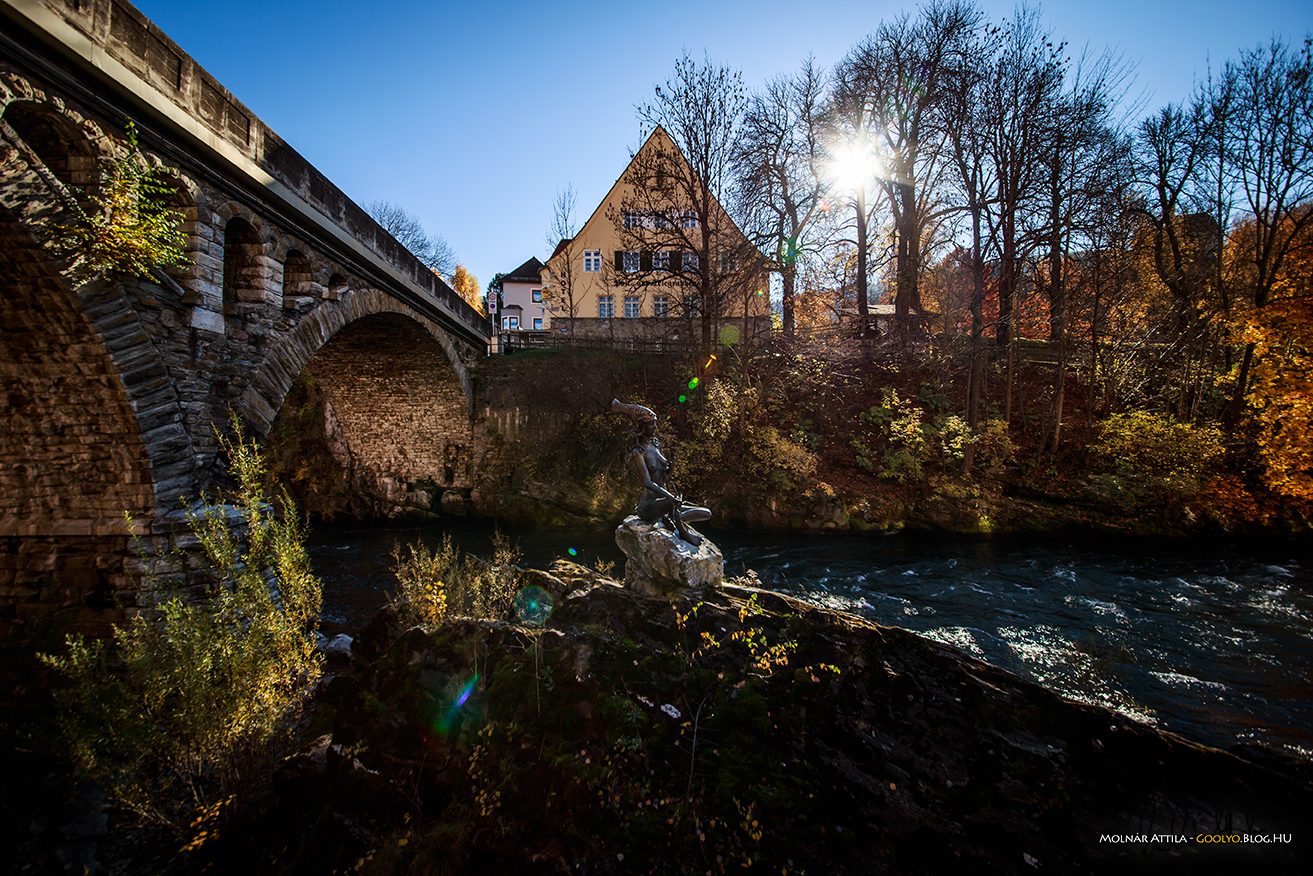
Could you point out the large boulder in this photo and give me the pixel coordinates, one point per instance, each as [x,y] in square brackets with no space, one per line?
[660,563]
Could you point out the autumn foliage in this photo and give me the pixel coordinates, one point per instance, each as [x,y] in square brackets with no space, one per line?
[467,286]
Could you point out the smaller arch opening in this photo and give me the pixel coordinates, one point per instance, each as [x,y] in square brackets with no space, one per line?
[298,277]
[243,268]
[58,142]
[174,194]
[337,286]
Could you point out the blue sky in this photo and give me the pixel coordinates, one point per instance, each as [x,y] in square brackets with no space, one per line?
[472,114]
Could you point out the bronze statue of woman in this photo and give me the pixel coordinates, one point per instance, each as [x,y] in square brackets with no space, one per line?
[659,500]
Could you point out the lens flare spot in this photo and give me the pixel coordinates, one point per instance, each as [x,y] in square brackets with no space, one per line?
[729,335]
[693,384]
[573,552]
[682,399]
[533,605]
[447,720]
[466,691]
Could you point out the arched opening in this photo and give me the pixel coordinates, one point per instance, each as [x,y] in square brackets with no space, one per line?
[243,264]
[174,194]
[337,286]
[72,459]
[57,141]
[297,277]
[354,437]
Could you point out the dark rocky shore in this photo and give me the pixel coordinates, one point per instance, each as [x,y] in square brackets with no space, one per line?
[740,728]
[736,730]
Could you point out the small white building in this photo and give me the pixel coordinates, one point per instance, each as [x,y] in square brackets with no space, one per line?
[523,311]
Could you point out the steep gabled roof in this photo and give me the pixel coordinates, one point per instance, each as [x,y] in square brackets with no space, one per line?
[529,272]
[658,139]
[600,209]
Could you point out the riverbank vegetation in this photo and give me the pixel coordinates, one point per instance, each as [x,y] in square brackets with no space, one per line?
[1002,292]
[733,729]
[588,728]
[182,715]
[840,436]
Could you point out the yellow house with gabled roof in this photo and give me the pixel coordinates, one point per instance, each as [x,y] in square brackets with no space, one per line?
[659,259]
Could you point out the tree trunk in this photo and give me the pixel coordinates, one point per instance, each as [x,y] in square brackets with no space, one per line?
[863,311]
[788,278]
[1007,284]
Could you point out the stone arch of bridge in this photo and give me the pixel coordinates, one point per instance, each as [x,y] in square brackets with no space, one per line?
[398,395]
[93,426]
[285,362]
[122,360]
[73,456]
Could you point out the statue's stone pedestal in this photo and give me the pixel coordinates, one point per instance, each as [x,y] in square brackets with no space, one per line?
[660,563]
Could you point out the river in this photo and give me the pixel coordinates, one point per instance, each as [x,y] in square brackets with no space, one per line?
[1208,640]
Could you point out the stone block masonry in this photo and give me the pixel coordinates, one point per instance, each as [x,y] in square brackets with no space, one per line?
[113,390]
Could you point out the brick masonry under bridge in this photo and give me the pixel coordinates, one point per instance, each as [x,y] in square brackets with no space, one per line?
[112,390]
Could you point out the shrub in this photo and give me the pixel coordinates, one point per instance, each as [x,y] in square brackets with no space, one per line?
[1153,459]
[436,584]
[422,578]
[994,447]
[898,422]
[953,435]
[193,702]
[130,230]
[785,465]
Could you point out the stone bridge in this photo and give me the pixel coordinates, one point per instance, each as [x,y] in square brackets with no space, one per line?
[113,389]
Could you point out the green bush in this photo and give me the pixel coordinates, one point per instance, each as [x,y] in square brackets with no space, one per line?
[193,702]
[1151,458]
[897,425]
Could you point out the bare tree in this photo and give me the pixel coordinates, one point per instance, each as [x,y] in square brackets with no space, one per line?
[564,286]
[1020,89]
[676,233]
[779,185]
[898,77]
[1078,148]
[1172,157]
[431,249]
[964,117]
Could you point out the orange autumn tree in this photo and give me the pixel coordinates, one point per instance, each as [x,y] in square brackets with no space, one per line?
[1281,395]
[467,286]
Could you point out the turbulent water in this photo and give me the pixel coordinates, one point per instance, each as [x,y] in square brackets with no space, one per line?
[1213,642]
